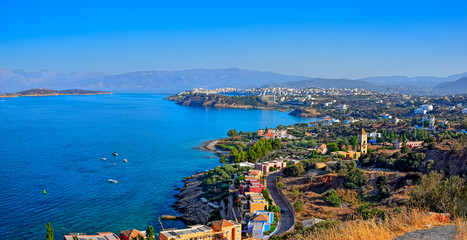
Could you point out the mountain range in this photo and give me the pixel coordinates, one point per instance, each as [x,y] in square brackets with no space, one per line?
[17,80]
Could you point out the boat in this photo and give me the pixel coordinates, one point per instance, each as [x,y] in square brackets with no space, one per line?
[113,181]
[124,160]
[115,154]
[115,164]
[104,158]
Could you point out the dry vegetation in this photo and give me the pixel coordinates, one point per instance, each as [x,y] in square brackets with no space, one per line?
[392,226]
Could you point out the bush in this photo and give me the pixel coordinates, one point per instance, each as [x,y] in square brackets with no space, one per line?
[298,206]
[294,170]
[331,198]
[368,210]
[354,179]
[440,194]
[280,185]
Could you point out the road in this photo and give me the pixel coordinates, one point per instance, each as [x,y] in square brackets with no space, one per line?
[287,215]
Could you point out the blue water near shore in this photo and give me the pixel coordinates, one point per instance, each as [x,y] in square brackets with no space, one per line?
[56,143]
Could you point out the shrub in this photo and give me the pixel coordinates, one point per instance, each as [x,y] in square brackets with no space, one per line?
[368,210]
[298,206]
[331,198]
[354,179]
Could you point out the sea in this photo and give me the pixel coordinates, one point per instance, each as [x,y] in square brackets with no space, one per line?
[57,144]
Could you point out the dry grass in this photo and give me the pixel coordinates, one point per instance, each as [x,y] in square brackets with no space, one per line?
[394,225]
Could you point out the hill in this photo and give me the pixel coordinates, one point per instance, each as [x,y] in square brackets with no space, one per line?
[411,82]
[49,92]
[329,83]
[199,78]
[458,86]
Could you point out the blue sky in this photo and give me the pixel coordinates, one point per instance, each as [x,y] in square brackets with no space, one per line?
[313,38]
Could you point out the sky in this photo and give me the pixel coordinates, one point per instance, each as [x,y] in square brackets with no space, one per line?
[332,39]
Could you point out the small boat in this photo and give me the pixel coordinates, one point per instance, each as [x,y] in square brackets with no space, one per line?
[115,154]
[124,160]
[113,181]
[104,158]
[115,164]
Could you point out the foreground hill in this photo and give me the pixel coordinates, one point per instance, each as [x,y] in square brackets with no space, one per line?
[49,92]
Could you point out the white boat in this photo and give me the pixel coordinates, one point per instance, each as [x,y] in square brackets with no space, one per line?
[104,158]
[125,160]
[113,181]
[115,164]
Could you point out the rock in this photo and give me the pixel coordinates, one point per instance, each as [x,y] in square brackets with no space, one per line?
[436,233]
[304,112]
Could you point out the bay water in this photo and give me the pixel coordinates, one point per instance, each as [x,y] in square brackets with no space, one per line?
[57,143]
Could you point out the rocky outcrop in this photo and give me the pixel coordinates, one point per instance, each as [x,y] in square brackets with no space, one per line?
[194,208]
[304,112]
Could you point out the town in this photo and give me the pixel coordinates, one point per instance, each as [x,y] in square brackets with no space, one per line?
[358,162]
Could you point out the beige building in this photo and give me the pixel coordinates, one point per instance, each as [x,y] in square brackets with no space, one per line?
[363,138]
[253,201]
[199,232]
[347,155]
[229,230]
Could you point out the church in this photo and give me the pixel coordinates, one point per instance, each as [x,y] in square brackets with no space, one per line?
[354,155]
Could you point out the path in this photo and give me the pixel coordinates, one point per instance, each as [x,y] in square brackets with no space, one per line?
[287,216]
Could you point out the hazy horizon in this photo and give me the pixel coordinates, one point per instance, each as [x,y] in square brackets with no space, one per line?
[328,40]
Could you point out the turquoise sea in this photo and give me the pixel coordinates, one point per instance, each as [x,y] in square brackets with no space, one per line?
[56,143]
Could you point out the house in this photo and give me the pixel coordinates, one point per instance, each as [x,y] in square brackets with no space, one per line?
[201,232]
[411,144]
[427,107]
[261,222]
[254,174]
[250,186]
[252,202]
[375,135]
[320,165]
[419,111]
[230,230]
[321,149]
[130,234]
[395,121]
[385,116]
[347,155]
[342,106]
[100,236]
[429,119]
[268,99]
[330,165]
[266,166]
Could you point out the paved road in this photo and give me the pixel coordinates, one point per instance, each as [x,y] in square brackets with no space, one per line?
[287,217]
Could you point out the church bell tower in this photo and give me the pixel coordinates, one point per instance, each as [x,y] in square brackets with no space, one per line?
[363,138]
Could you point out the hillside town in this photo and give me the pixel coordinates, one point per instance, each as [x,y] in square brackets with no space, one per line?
[288,181]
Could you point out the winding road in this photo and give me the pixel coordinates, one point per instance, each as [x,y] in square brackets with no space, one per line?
[287,216]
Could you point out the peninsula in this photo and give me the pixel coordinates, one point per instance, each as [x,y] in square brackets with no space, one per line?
[41,92]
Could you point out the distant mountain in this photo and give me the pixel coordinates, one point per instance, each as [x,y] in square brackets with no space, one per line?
[199,78]
[458,86]
[412,82]
[329,83]
[17,80]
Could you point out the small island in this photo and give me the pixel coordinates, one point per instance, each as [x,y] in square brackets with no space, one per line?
[41,92]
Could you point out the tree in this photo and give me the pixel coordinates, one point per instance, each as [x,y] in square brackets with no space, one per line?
[233,155]
[332,147]
[223,159]
[232,133]
[404,139]
[150,233]
[382,185]
[50,232]
[354,142]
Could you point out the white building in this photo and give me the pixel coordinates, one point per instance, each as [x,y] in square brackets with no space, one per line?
[419,111]
[464,111]
[375,135]
[427,107]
